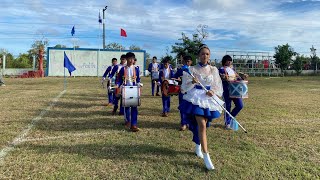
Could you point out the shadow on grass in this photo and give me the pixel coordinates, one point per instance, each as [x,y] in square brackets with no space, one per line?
[75,121]
[120,152]
[159,124]
[221,126]
[73,124]
[71,105]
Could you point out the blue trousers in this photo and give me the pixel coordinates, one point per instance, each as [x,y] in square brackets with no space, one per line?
[110,97]
[152,87]
[131,114]
[194,128]
[183,116]
[165,104]
[116,104]
[238,106]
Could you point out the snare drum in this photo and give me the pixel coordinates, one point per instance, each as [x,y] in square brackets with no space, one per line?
[238,89]
[170,87]
[155,75]
[111,85]
[131,96]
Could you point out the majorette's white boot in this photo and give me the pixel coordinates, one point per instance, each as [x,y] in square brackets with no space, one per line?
[207,161]
[199,151]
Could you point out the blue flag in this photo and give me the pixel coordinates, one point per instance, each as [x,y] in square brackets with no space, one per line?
[72,31]
[100,20]
[186,69]
[68,64]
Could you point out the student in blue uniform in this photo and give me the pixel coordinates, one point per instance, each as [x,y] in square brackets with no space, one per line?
[115,72]
[227,73]
[201,105]
[187,60]
[154,67]
[129,75]
[106,73]
[166,73]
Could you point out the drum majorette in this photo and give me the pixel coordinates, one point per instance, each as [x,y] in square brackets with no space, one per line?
[202,105]
[234,89]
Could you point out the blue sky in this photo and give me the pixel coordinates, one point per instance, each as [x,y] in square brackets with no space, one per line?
[156,25]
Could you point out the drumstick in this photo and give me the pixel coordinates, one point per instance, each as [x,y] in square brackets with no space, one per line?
[186,69]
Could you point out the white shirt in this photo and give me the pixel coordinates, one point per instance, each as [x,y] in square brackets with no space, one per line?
[166,73]
[119,67]
[231,74]
[129,75]
[154,66]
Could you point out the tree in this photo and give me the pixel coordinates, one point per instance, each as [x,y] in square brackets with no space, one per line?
[190,46]
[36,46]
[170,57]
[60,46]
[134,47]
[314,59]
[298,64]
[115,46]
[22,61]
[283,55]
[171,60]
[9,57]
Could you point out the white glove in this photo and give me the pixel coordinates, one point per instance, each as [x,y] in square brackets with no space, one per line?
[158,83]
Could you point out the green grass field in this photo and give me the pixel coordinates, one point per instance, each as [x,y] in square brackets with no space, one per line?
[78,138]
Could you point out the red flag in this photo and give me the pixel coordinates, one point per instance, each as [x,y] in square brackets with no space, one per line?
[123,33]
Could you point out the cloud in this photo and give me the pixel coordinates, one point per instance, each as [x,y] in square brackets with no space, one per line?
[158,24]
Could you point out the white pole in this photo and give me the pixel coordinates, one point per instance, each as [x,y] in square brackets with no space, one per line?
[34,62]
[74,48]
[65,80]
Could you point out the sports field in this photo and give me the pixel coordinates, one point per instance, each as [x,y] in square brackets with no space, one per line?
[46,133]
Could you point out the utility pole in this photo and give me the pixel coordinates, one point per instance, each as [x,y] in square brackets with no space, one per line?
[104,33]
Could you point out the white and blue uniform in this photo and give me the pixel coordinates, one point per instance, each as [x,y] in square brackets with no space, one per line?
[196,102]
[115,72]
[183,116]
[130,76]
[165,74]
[230,75]
[106,73]
[153,67]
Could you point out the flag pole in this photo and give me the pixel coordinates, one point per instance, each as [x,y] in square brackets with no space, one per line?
[74,49]
[65,80]
[99,35]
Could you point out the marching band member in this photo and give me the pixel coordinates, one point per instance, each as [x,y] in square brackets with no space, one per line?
[187,60]
[227,74]
[115,72]
[129,75]
[154,68]
[199,104]
[106,73]
[166,73]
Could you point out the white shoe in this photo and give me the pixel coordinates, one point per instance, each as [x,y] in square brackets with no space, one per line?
[199,151]
[207,161]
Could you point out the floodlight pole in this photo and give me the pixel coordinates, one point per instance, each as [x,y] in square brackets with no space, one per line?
[104,33]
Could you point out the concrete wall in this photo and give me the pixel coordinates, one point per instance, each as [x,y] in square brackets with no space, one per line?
[88,62]
[15,72]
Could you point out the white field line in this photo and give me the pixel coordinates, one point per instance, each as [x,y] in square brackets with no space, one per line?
[21,137]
